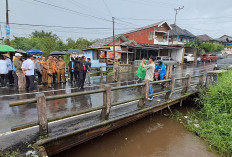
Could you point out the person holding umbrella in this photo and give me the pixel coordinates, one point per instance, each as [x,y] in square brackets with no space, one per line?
[61,70]
[73,69]
[83,67]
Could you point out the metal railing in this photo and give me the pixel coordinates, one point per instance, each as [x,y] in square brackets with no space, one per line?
[107,90]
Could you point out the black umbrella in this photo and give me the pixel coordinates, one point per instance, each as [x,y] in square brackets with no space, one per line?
[57,53]
[75,51]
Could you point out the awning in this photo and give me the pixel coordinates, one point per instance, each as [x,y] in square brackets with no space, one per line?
[116,51]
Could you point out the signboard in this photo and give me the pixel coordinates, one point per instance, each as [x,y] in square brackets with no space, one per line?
[110,55]
[102,54]
[7,28]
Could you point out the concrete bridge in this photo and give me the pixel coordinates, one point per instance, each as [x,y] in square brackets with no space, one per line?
[53,134]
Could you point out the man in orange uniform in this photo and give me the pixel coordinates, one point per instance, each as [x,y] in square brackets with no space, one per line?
[51,70]
[61,70]
[45,71]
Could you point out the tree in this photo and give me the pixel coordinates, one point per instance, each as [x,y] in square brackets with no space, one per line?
[48,42]
[210,47]
[43,34]
[191,44]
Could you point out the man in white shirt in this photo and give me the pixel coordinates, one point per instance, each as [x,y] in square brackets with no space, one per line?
[3,71]
[150,70]
[28,70]
[10,69]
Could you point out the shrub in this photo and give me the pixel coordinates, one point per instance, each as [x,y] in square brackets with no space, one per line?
[213,122]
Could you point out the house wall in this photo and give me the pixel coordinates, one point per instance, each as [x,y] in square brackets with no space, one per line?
[141,36]
[95,63]
[177,54]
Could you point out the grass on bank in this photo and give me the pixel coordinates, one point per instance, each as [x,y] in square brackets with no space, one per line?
[213,122]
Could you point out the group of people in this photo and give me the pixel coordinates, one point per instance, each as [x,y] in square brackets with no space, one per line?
[147,69]
[22,73]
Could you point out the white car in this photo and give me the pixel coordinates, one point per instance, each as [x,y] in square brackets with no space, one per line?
[188,58]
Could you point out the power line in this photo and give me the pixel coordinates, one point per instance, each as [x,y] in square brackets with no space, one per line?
[63,8]
[66,27]
[107,8]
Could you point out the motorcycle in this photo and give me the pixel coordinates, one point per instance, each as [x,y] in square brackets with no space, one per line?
[157,78]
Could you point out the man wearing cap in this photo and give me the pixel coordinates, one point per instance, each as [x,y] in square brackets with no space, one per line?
[39,69]
[10,69]
[28,70]
[19,72]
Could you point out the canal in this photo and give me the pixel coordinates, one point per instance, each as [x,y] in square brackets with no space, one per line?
[156,135]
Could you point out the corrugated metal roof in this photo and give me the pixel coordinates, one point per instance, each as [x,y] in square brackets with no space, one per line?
[176,30]
[105,41]
[204,37]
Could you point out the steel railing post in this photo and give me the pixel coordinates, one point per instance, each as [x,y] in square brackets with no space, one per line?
[106,102]
[42,114]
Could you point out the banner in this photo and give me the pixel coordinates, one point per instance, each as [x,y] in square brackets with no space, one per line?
[7,28]
[110,55]
[102,54]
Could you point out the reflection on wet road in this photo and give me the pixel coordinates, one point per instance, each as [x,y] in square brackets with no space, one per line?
[11,116]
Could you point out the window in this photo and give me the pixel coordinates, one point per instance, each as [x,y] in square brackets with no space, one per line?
[151,35]
[95,55]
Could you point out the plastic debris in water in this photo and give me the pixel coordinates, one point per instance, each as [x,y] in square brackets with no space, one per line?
[32,153]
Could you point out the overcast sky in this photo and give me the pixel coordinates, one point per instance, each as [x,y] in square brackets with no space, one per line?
[212,17]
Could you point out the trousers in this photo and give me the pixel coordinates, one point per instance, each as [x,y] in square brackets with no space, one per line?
[50,79]
[61,74]
[88,78]
[21,80]
[10,77]
[39,77]
[15,79]
[30,82]
[82,75]
[3,79]
[44,76]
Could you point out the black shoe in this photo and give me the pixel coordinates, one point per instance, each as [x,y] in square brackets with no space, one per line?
[82,88]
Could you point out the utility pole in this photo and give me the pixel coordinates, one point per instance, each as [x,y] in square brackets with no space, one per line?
[177,11]
[113,40]
[7,21]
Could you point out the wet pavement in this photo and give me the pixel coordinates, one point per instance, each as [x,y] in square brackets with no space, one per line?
[153,136]
[12,116]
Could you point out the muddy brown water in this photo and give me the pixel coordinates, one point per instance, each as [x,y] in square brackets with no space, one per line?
[153,136]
